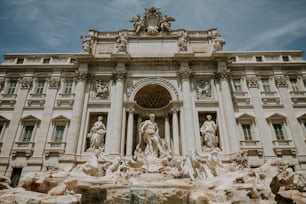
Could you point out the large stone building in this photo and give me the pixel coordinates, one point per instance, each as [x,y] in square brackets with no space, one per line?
[49,102]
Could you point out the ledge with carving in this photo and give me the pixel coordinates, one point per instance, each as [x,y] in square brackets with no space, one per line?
[55,149]
[241,98]
[8,100]
[284,147]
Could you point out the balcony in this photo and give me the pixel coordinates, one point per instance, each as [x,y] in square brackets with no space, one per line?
[284,147]
[253,147]
[25,148]
[270,97]
[36,99]
[8,99]
[65,99]
[55,148]
[241,98]
[298,97]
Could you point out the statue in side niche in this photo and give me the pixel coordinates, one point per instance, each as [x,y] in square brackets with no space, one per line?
[208,132]
[96,134]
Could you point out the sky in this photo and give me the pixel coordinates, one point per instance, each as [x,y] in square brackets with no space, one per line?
[55,26]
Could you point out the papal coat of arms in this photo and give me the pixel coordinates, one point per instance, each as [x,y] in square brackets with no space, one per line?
[152,22]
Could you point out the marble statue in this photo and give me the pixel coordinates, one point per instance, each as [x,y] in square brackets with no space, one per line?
[138,23]
[102,90]
[204,89]
[165,24]
[122,43]
[150,136]
[208,132]
[86,43]
[183,41]
[96,134]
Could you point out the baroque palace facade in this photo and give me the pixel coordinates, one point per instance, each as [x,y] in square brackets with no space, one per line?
[50,102]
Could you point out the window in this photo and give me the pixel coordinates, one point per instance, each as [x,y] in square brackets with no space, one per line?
[40,86]
[68,86]
[12,86]
[20,60]
[294,84]
[59,133]
[237,85]
[258,59]
[247,131]
[1,128]
[46,60]
[285,58]
[266,85]
[27,134]
[278,130]
[15,176]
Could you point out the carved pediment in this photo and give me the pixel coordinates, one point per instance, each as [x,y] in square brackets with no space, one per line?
[60,119]
[245,117]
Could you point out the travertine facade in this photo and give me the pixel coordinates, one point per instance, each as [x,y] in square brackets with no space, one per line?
[50,102]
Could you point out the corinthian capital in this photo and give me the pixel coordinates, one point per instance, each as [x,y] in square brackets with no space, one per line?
[119,75]
[222,74]
[26,82]
[185,74]
[82,76]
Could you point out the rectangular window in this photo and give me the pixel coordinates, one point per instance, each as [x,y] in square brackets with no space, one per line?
[20,60]
[15,176]
[258,59]
[266,85]
[68,86]
[247,131]
[46,60]
[40,86]
[1,128]
[279,133]
[294,84]
[59,133]
[27,134]
[237,85]
[285,58]
[12,86]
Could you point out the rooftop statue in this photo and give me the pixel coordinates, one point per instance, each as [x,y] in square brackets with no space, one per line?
[153,21]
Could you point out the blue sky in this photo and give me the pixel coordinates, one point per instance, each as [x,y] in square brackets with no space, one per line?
[55,26]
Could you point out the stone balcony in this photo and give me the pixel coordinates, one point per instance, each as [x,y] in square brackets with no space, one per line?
[284,147]
[55,148]
[252,147]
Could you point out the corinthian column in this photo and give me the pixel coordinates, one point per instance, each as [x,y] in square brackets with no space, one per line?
[76,117]
[222,78]
[175,132]
[112,144]
[185,74]
[129,138]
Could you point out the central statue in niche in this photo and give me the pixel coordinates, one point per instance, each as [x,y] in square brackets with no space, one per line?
[150,135]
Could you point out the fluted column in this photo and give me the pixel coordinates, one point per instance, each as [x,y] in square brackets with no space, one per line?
[175,132]
[113,140]
[222,78]
[129,138]
[76,116]
[185,74]
[167,131]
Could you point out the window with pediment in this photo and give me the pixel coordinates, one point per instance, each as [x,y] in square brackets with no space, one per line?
[60,125]
[29,127]
[246,124]
[278,125]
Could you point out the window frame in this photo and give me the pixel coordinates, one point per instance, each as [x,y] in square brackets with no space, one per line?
[235,87]
[12,90]
[70,87]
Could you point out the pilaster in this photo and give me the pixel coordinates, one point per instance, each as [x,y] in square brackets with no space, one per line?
[185,74]
[222,79]
[76,116]
[112,144]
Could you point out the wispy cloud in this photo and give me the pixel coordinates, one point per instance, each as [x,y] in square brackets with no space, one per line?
[274,38]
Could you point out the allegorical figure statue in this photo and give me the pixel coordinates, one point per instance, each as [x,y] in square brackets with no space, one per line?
[96,134]
[150,136]
[208,132]
[122,43]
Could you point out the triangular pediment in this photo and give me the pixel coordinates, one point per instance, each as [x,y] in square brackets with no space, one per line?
[60,119]
[245,117]
[302,117]
[30,118]
[3,119]
[276,116]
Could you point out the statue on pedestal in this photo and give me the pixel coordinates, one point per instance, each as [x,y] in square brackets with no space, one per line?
[208,132]
[96,134]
